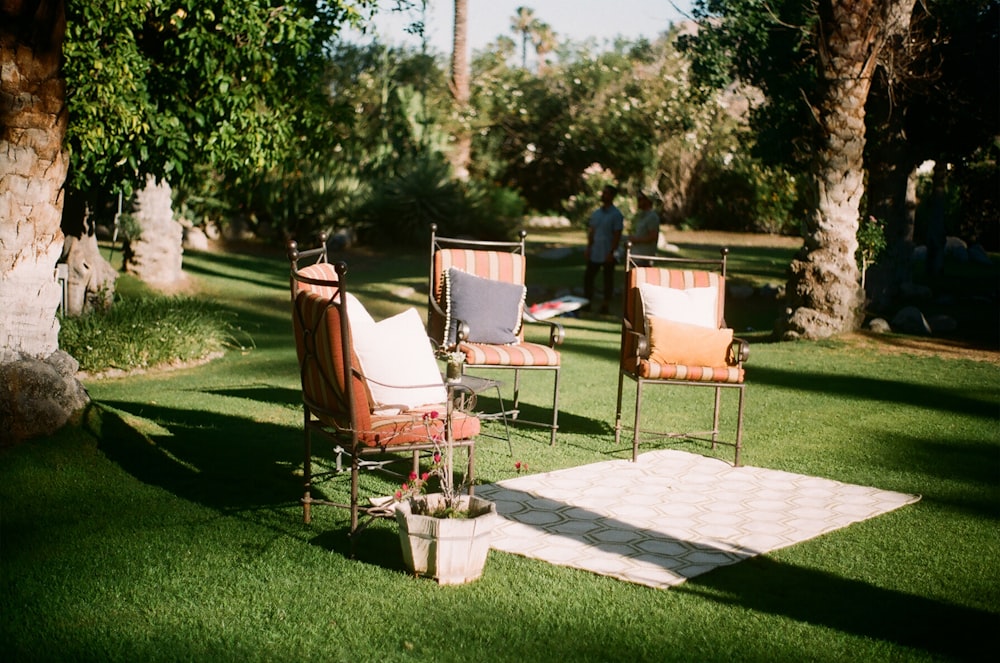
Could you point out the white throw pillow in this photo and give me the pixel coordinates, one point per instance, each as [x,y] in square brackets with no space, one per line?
[397,352]
[358,316]
[692,306]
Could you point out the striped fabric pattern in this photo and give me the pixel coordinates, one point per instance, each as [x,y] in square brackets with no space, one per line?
[522,354]
[495,265]
[317,326]
[680,279]
[324,271]
[412,428]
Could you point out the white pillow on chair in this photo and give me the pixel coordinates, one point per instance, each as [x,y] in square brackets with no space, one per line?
[691,306]
[398,361]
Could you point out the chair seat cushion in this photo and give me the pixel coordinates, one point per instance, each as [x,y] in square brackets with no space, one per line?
[413,427]
[492,309]
[679,343]
[522,354]
[653,371]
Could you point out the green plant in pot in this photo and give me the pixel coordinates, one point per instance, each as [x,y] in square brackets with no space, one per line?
[444,535]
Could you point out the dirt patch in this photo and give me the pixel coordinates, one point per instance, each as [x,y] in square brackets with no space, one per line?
[921,346]
[719,238]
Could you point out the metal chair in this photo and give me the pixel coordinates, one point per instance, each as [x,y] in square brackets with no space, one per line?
[337,402]
[498,265]
[679,350]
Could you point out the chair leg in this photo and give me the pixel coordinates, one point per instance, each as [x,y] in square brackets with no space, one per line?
[715,416]
[307,476]
[506,427]
[517,389]
[635,429]
[355,471]
[618,409]
[739,427]
[555,407]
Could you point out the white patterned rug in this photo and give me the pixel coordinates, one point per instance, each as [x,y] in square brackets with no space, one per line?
[671,515]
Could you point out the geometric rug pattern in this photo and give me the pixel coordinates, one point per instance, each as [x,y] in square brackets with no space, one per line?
[671,515]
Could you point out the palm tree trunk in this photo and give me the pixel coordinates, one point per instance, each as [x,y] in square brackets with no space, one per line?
[461,155]
[823,293]
[33,165]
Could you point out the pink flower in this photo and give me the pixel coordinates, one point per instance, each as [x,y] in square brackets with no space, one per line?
[398,495]
[413,476]
[425,476]
[437,457]
[405,487]
[434,414]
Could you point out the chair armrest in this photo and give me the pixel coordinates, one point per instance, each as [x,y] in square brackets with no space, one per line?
[739,351]
[639,341]
[556,332]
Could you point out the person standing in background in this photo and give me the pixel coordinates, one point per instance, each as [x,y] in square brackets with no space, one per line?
[646,226]
[604,231]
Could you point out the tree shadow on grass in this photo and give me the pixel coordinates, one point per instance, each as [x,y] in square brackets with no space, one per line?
[851,606]
[897,392]
[220,461]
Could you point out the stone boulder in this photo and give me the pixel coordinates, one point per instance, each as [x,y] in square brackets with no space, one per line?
[38,396]
[909,320]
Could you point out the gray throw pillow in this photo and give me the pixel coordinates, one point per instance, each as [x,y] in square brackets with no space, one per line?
[492,309]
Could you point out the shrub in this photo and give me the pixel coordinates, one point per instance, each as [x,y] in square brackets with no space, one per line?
[146,332]
[747,196]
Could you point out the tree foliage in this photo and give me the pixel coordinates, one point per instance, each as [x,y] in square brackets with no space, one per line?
[160,87]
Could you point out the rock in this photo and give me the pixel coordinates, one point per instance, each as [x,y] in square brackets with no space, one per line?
[978,255]
[956,249]
[942,324]
[38,396]
[909,320]
[340,240]
[195,239]
[910,290]
[879,326]
[773,291]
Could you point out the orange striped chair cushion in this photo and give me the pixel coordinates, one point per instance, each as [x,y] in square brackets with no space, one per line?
[318,345]
[322,271]
[412,428]
[320,352]
[496,265]
[522,354]
[671,278]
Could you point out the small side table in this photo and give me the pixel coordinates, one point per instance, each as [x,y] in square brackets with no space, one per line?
[474,384]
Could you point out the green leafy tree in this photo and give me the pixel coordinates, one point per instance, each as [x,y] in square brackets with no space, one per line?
[146,87]
[815,63]
[162,90]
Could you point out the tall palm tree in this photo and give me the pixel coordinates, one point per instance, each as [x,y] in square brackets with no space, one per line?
[824,297]
[522,24]
[462,153]
[33,165]
[545,42]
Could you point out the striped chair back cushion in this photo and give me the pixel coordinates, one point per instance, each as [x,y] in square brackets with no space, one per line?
[681,279]
[318,344]
[496,265]
[322,271]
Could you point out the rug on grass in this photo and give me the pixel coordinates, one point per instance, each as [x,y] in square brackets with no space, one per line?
[671,515]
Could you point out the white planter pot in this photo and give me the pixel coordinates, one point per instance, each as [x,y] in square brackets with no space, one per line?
[451,550]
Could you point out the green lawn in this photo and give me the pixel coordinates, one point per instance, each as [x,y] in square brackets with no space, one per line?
[167,526]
